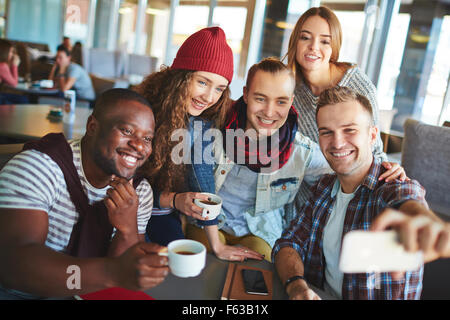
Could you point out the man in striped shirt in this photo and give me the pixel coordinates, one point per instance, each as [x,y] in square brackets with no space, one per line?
[350,199]
[42,227]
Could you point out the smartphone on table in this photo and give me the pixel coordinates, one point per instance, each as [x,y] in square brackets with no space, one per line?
[254,282]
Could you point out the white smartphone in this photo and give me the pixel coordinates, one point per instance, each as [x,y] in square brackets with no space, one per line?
[369,251]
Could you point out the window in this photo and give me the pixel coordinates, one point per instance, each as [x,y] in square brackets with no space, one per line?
[3,6]
[434,111]
[390,69]
[155,30]
[128,12]
[76,20]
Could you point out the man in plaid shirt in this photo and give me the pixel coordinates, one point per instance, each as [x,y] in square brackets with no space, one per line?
[350,199]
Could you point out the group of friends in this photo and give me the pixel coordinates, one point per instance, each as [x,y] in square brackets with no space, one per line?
[309,169]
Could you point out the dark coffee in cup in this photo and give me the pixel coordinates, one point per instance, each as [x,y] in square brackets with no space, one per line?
[185,252]
[210,203]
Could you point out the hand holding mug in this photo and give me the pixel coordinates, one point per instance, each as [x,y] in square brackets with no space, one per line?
[187,258]
[211,205]
[139,268]
[185,202]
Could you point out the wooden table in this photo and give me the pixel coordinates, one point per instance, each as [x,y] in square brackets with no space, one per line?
[25,122]
[32,92]
[209,284]
[35,90]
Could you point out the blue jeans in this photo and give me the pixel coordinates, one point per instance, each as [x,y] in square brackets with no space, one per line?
[164,229]
[10,98]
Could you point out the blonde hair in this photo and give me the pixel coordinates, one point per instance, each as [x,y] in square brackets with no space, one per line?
[271,65]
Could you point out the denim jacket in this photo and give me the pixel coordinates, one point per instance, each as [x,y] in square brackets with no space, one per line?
[200,173]
[273,209]
[203,170]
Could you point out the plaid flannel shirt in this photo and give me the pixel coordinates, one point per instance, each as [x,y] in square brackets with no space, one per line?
[305,234]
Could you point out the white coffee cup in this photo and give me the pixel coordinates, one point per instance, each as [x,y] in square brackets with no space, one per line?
[210,210]
[187,258]
[46,83]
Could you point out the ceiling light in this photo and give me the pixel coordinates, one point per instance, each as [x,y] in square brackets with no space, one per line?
[155,12]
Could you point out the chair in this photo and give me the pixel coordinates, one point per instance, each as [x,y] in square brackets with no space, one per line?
[35,45]
[384,123]
[426,158]
[7,151]
[102,63]
[105,63]
[25,60]
[101,84]
[139,66]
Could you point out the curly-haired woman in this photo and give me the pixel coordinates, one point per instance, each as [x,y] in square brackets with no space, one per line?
[192,93]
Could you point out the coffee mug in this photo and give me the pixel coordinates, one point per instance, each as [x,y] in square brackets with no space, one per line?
[211,207]
[46,83]
[187,258]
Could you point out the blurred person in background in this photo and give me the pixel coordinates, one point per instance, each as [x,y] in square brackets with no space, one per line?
[9,75]
[69,75]
[9,63]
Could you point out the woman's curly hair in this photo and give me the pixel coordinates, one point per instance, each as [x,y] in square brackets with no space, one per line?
[168,94]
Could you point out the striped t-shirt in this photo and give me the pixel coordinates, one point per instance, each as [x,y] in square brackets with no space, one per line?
[31,180]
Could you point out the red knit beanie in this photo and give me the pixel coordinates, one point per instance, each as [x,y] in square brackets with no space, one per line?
[206,50]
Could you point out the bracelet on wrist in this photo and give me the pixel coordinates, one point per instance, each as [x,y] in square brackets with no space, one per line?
[292,279]
[173,200]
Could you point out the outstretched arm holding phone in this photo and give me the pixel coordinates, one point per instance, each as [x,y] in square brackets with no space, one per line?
[420,231]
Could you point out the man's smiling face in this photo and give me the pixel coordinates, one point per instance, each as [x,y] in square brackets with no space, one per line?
[268,99]
[346,136]
[123,138]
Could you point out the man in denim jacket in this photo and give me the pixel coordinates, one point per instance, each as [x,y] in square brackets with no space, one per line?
[258,174]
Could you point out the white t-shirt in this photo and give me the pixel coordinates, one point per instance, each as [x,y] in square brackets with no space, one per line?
[32,180]
[332,237]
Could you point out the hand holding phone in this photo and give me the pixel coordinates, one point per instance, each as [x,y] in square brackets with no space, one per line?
[254,282]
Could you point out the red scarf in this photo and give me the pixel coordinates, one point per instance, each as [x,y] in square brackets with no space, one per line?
[257,158]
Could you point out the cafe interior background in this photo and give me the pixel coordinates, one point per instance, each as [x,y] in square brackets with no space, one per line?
[402,45]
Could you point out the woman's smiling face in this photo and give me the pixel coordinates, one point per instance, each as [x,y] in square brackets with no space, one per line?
[314,44]
[205,90]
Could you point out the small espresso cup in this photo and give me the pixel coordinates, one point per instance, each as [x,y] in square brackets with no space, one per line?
[211,207]
[187,258]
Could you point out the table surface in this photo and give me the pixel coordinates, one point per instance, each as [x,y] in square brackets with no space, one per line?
[29,122]
[25,88]
[209,284]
